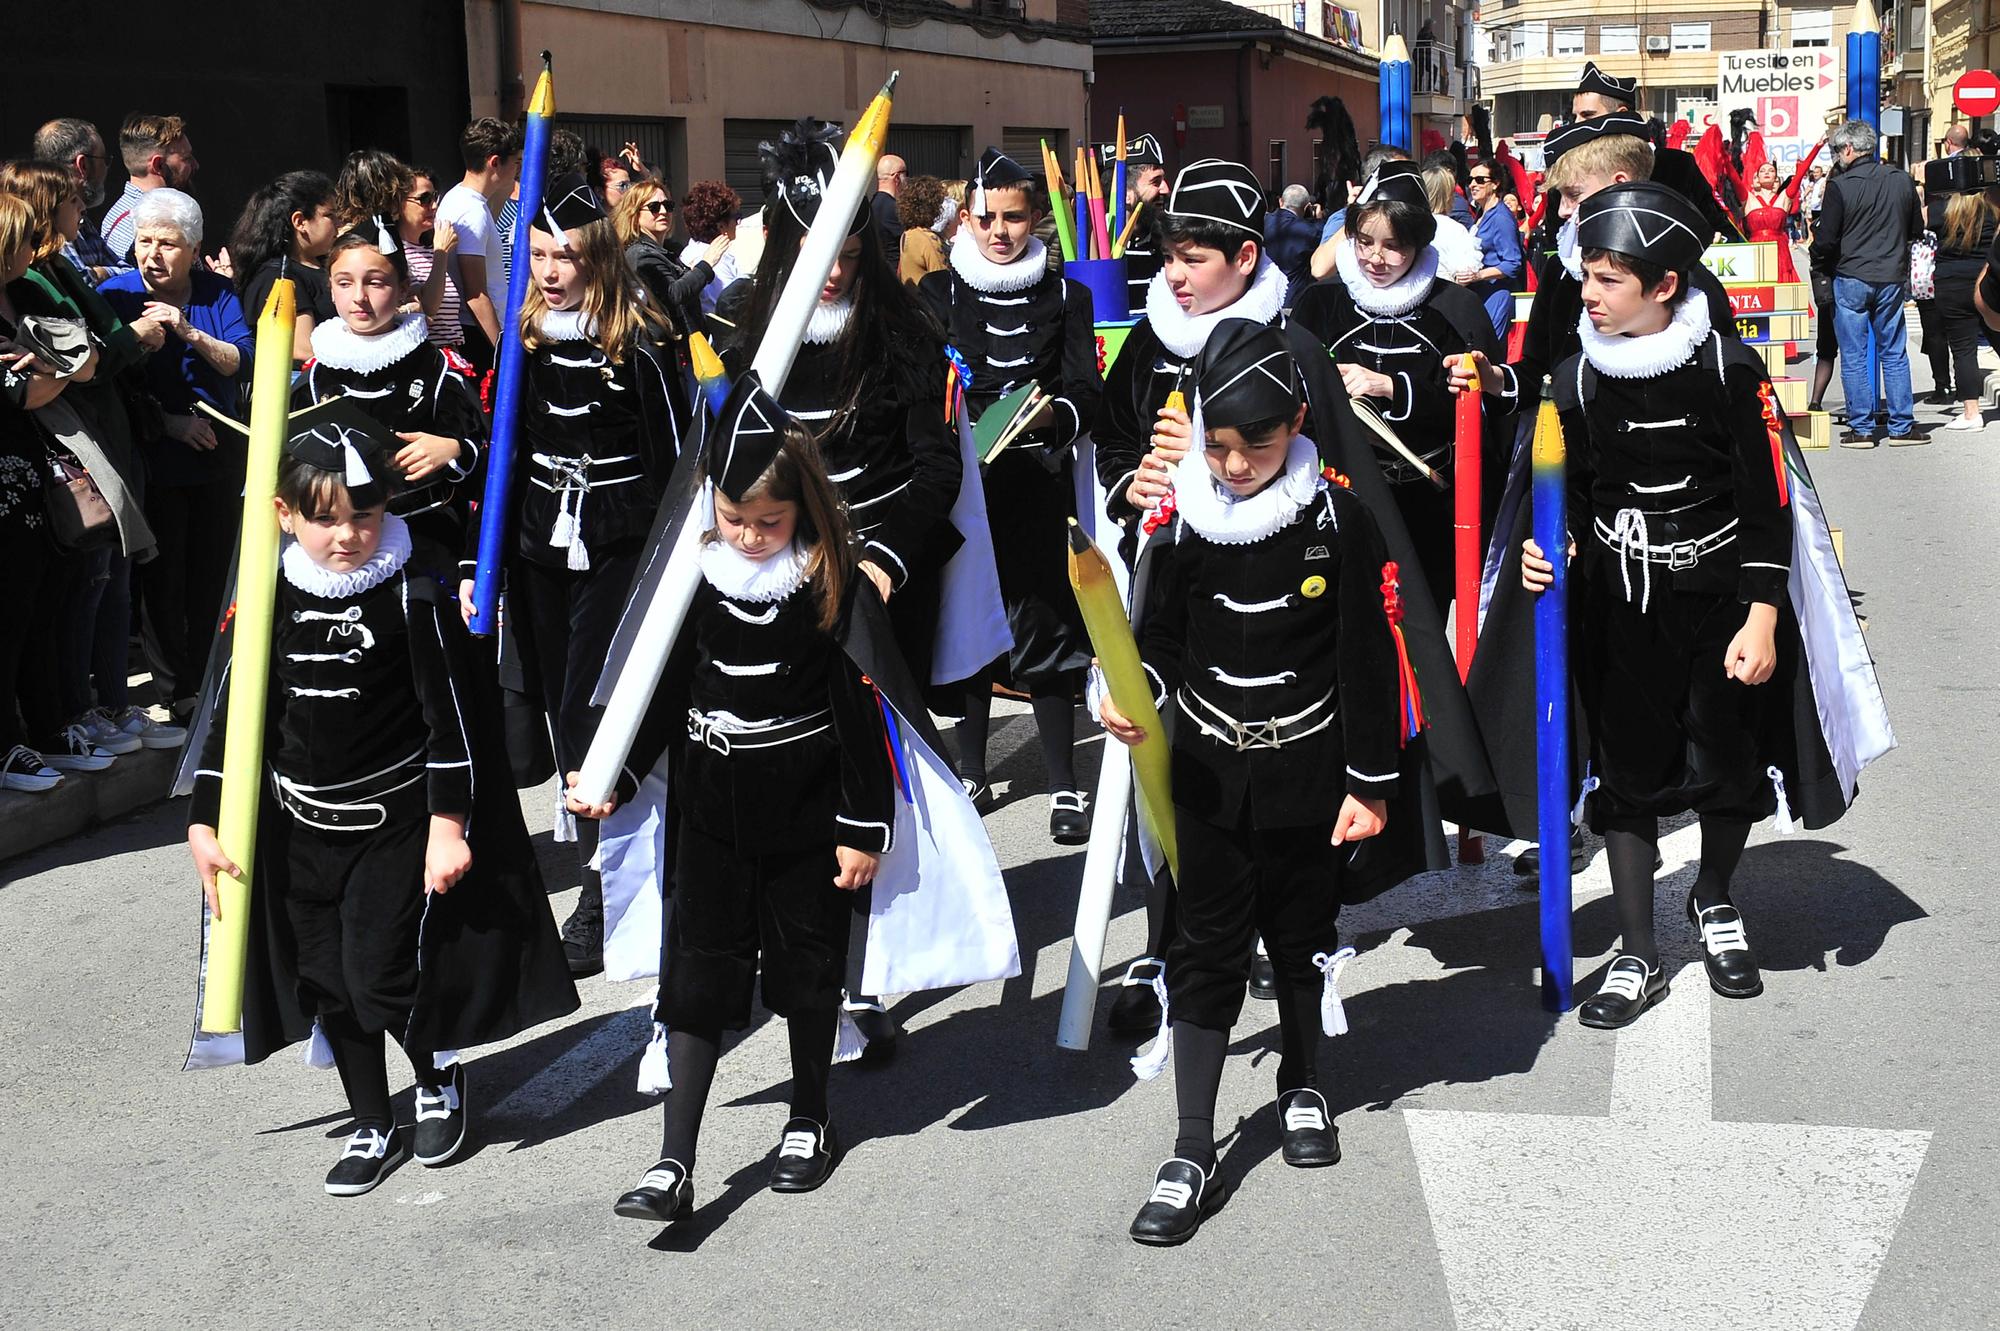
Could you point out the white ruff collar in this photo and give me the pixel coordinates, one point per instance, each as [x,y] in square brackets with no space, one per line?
[1648,354]
[1186,334]
[1222,517]
[1400,296]
[339,347]
[568,326]
[829,320]
[982,274]
[742,578]
[335,585]
[1566,249]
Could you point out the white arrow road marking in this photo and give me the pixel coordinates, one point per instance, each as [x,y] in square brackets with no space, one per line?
[1658,1215]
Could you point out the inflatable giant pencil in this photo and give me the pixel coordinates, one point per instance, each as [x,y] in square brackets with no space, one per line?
[510,371]
[250,663]
[1118,657]
[1552,734]
[660,622]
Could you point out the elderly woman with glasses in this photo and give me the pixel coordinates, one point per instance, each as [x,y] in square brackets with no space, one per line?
[193,324]
[644,220]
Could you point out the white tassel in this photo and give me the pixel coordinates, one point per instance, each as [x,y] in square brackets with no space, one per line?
[1332,1016]
[654,1076]
[565,826]
[317,1053]
[579,558]
[358,474]
[1590,783]
[1149,1065]
[563,533]
[1783,817]
[848,1040]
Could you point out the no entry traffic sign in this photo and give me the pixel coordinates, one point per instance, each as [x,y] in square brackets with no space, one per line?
[1977,92]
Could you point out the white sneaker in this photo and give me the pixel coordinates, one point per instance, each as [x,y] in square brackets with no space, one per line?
[79,753]
[152,734]
[106,733]
[24,770]
[1961,423]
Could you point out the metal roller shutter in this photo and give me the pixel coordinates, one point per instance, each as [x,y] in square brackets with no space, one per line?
[1025,146]
[932,150]
[608,134]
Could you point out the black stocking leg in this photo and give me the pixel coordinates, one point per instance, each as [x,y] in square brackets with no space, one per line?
[1630,844]
[1055,721]
[1298,1033]
[812,1035]
[1198,1054]
[1822,376]
[691,1060]
[1722,841]
[364,1074]
[973,727]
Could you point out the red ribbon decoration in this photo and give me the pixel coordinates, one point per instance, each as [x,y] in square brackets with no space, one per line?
[1409,700]
[1775,431]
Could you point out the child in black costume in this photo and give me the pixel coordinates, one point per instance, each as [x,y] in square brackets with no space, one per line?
[1265,630]
[372,744]
[1015,323]
[379,357]
[600,432]
[784,791]
[1683,539]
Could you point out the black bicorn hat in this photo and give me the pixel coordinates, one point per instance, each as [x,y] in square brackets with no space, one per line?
[1593,79]
[1220,191]
[339,436]
[1402,182]
[569,203]
[799,166]
[1246,373]
[748,436]
[1141,151]
[1644,220]
[1569,136]
[996,170]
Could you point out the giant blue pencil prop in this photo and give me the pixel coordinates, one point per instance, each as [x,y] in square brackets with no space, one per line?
[1393,94]
[510,370]
[628,696]
[1864,66]
[1552,711]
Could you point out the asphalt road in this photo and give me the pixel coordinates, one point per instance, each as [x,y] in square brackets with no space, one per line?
[1826,1155]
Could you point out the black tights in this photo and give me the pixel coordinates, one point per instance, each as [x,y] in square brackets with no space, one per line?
[691,1059]
[364,1071]
[1055,722]
[1631,845]
[1198,1057]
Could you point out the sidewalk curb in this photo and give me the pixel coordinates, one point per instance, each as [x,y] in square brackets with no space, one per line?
[84,800]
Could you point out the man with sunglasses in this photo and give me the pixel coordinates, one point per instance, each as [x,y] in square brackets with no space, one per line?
[77,145]
[1499,234]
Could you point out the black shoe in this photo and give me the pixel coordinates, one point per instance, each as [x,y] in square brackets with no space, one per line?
[882,1031]
[1857,439]
[371,1153]
[664,1195]
[1629,988]
[1528,864]
[583,937]
[440,1129]
[1184,1195]
[1263,978]
[1311,1140]
[1069,821]
[1725,950]
[806,1153]
[1136,1010]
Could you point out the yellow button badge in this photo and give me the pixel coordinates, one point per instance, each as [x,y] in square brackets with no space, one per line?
[1313,587]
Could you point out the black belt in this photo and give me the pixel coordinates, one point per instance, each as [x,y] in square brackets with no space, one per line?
[726,734]
[396,795]
[1267,734]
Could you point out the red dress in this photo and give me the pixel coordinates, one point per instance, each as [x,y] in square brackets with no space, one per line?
[1766,217]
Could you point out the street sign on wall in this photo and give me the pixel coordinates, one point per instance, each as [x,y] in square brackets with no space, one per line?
[1790,92]
[1977,92]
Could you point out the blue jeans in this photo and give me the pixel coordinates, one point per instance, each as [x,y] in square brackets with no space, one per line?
[1862,309]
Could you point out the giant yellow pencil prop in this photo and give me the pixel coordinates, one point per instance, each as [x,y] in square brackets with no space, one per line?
[249,664]
[627,697]
[1118,656]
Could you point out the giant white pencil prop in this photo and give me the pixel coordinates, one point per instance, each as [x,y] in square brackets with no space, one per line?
[625,706]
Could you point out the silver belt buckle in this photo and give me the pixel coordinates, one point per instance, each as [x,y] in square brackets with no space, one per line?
[1682,555]
[1256,735]
[702,730]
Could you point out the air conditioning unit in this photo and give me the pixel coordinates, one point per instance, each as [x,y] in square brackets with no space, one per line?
[1659,44]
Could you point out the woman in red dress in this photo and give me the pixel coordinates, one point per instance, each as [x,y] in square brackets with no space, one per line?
[1770,208]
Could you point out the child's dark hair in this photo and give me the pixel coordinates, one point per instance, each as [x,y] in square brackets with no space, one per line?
[264,231]
[364,237]
[1413,227]
[797,475]
[309,490]
[1650,274]
[1171,229]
